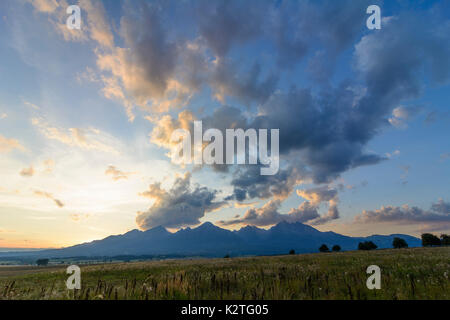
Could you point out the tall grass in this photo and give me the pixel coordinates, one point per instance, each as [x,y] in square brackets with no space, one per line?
[419,273]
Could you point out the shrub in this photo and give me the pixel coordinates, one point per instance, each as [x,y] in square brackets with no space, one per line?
[445,240]
[399,243]
[324,248]
[42,262]
[429,240]
[367,245]
[292,251]
[336,248]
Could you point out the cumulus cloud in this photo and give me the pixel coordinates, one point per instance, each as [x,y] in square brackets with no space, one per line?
[246,87]
[438,215]
[27,172]
[329,131]
[401,115]
[143,73]
[182,205]
[441,207]
[9,144]
[306,212]
[116,174]
[269,215]
[48,195]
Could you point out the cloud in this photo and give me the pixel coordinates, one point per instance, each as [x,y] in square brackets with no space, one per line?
[438,215]
[441,207]
[56,15]
[401,115]
[143,73]
[89,139]
[31,105]
[7,145]
[3,116]
[224,23]
[79,217]
[44,194]
[166,125]
[27,172]
[390,155]
[329,131]
[318,195]
[98,26]
[47,6]
[117,174]
[48,164]
[182,205]
[306,212]
[246,87]
[269,215]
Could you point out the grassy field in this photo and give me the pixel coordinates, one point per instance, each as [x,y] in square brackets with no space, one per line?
[419,273]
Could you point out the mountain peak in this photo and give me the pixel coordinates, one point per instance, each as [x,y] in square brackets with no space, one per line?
[207,226]
[157,230]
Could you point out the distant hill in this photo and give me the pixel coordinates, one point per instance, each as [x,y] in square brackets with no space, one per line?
[211,241]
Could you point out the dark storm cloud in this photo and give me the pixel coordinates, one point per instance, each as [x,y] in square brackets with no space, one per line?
[224,23]
[323,132]
[247,87]
[152,57]
[332,129]
[249,183]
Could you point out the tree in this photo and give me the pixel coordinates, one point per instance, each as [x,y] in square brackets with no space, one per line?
[367,245]
[42,262]
[336,248]
[445,240]
[429,240]
[227,256]
[399,243]
[292,251]
[324,248]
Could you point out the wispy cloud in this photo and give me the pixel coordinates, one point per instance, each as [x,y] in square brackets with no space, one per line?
[48,195]
[9,144]
[116,174]
[90,139]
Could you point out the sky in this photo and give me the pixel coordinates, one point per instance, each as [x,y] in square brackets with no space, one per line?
[86,116]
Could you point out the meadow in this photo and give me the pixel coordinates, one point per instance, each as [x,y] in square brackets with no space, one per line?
[416,273]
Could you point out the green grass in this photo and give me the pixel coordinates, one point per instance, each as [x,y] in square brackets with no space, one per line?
[419,273]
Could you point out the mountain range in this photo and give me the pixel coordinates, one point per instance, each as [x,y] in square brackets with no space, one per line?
[209,240]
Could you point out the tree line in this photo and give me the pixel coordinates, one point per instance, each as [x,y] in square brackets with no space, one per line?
[428,240]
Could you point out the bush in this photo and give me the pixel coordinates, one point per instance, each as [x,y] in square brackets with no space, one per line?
[227,256]
[445,240]
[367,245]
[292,251]
[42,262]
[324,248]
[429,240]
[336,248]
[399,243]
